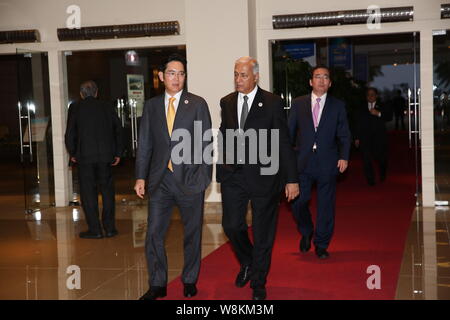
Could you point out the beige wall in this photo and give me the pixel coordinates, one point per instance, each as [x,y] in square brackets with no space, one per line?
[212,47]
[215,32]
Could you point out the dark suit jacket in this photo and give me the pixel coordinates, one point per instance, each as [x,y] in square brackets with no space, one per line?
[332,137]
[370,129]
[93,132]
[155,145]
[266,112]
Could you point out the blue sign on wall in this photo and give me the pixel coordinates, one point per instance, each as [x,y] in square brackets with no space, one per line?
[300,50]
[340,53]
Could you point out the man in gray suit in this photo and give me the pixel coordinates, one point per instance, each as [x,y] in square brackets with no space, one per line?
[171,180]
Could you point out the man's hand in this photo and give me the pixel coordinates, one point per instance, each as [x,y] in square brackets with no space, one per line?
[375,112]
[357,143]
[292,191]
[139,187]
[116,161]
[342,165]
[73,159]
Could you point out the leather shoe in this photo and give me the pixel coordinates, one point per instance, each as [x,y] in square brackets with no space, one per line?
[190,290]
[111,233]
[154,293]
[259,293]
[243,276]
[305,243]
[322,253]
[90,235]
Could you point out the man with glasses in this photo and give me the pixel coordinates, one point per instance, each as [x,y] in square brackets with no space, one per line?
[319,128]
[170,181]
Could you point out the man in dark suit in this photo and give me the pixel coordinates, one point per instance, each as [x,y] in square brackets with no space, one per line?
[319,127]
[172,181]
[371,136]
[399,105]
[252,111]
[94,141]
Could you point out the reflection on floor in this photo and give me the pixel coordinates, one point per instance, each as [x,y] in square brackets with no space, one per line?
[36,253]
[40,253]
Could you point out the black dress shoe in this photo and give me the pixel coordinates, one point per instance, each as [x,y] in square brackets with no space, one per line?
[90,235]
[322,253]
[259,293]
[112,233]
[154,293]
[243,276]
[305,243]
[190,290]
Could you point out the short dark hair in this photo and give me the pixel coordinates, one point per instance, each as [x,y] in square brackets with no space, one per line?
[173,57]
[372,89]
[88,89]
[319,67]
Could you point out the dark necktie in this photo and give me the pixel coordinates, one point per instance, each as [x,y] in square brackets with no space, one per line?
[244,113]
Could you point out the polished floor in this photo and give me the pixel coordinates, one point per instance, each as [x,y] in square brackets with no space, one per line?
[40,254]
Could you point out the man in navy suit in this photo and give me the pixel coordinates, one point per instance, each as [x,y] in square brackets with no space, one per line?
[319,128]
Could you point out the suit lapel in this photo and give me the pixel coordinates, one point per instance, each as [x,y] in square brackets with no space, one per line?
[183,106]
[308,110]
[234,117]
[257,105]
[325,112]
[161,112]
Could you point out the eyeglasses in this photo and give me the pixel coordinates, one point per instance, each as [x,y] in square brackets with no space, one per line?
[172,74]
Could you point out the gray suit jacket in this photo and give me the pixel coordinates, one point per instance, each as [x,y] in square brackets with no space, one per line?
[155,146]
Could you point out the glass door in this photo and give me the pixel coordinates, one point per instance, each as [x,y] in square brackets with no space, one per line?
[441,93]
[125,79]
[34,121]
[387,62]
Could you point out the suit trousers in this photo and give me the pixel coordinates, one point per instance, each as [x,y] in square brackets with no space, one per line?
[161,203]
[235,198]
[326,199]
[370,155]
[94,176]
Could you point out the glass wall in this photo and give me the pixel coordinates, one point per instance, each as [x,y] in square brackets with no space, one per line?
[125,78]
[441,91]
[388,62]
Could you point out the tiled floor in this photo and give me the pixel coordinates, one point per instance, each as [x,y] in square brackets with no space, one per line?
[37,252]
[425,271]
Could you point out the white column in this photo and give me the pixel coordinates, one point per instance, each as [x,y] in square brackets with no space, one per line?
[58,100]
[426,115]
[217,33]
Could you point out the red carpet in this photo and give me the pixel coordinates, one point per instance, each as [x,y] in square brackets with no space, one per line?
[371,228]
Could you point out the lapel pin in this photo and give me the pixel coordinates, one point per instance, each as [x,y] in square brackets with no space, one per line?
[260,104]
[186,101]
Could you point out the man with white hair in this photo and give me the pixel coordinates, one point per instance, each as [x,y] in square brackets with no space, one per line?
[251,110]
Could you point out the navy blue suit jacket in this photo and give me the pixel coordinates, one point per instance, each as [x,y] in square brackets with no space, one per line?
[332,137]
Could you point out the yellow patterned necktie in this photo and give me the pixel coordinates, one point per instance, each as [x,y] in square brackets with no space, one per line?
[170,121]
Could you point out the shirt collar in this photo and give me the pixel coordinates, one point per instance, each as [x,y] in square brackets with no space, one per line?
[251,95]
[176,96]
[322,98]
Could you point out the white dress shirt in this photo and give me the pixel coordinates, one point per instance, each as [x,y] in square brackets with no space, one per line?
[177,97]
[251,96]
[323,98]
[372,105]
